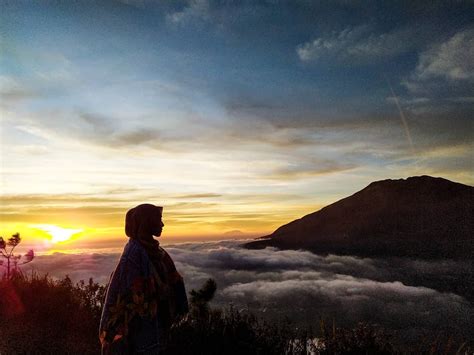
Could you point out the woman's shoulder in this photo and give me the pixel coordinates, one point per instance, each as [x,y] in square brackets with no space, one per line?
[134,251]
[133,246]
[167,260]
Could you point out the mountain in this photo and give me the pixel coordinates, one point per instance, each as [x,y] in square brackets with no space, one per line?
[420,216]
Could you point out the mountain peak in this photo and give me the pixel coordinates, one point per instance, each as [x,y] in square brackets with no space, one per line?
[419,216]
[413,180]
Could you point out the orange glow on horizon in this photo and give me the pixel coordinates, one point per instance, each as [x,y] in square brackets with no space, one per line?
[46,238]
[90,227]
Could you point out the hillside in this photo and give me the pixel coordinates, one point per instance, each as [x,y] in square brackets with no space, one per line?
[420,216]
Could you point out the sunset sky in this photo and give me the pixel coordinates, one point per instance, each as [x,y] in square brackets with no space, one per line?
[234,116]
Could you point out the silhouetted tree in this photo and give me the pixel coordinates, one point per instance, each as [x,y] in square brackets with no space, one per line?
[13,260]
[200,299]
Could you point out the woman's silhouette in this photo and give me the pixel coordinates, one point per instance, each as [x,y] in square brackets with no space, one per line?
[145,292]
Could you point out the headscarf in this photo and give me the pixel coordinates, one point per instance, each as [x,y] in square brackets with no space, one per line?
[141,223]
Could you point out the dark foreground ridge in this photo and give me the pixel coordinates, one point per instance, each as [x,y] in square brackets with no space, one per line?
[422,216]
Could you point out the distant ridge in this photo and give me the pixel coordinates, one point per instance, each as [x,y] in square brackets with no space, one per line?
[420,216]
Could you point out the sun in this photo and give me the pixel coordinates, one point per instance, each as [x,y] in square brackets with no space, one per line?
[58,234]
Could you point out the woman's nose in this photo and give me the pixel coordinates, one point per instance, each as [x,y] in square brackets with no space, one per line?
[162,224]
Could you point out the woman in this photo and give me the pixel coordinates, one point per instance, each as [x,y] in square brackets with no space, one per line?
[145,294]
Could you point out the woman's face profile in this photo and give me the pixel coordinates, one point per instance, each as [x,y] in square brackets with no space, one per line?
[158,226]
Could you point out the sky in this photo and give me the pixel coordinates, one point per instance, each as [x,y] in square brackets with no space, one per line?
[237,117]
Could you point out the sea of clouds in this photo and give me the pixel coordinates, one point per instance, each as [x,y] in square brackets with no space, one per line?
[409,297]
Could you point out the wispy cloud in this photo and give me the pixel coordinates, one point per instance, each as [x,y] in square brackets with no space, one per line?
[199,196]
[194,10]
[444,72]
[47,199]
[309,169]
[450,60]
[357,44]
[12,91]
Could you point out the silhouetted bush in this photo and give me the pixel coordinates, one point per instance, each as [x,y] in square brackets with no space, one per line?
[42,316]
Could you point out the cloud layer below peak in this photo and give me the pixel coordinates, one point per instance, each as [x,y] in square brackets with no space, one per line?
[404,295]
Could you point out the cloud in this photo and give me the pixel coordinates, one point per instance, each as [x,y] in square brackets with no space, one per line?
[405,295]
[99,266]
[93,216]
[444,74]
[27,200]
[304,286]
[12,91]
[357,44]
[347,300]
[286,145]
[78,127]
[308,169]
[103,131]
[463,99]
[451,60]
[332,44]
[197,196]
[270,139]
[195,10]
